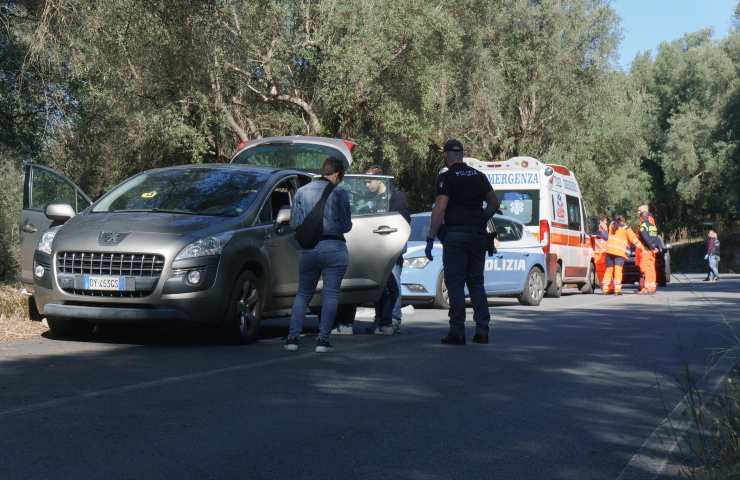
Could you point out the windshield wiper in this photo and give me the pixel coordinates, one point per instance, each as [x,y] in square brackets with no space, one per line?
[155,210]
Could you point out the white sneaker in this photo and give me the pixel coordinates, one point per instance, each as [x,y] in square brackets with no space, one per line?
[343,330]
[387,330]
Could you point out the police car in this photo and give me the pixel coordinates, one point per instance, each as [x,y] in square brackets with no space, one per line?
[516,270]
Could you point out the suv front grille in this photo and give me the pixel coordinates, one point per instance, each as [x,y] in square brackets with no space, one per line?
[142,268]
[121,264]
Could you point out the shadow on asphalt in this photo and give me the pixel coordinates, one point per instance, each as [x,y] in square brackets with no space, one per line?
[556,395]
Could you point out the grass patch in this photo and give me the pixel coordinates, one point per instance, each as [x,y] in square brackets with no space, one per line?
[713,447]
[14,321]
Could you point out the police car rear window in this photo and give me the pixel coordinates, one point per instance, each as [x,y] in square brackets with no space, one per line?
[523,205]
[507,231]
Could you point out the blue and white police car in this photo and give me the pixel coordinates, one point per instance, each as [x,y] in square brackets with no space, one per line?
[516,270]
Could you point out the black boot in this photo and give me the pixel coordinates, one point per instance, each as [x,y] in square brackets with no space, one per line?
[452,339]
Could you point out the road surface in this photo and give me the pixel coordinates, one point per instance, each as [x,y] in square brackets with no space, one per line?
[577,388]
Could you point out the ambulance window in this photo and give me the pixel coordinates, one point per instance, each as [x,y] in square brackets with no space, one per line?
[523,205]
[507,231]
[574,212]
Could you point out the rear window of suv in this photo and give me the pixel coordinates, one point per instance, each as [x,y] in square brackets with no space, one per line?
[301,156]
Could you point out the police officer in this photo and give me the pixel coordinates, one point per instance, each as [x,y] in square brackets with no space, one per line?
[461,192]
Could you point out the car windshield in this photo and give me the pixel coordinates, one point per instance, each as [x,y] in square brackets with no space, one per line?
[301,156]
[523,205]
[419,228]
[194,191]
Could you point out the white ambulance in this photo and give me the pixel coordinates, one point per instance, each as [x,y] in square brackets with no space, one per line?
[547,199]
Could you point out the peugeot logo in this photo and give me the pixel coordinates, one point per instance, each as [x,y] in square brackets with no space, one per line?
[111,238]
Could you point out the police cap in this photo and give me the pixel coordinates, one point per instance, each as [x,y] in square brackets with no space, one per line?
[452,145]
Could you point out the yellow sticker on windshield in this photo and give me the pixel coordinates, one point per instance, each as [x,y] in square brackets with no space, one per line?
[148,194]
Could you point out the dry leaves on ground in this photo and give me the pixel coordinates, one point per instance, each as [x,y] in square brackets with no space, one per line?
[14,321]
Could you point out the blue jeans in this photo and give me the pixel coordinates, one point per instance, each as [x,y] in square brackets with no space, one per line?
[327,260]
[388,307]
[463,259]
[713,266]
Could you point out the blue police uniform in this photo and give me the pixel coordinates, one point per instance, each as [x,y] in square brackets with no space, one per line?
[463,237]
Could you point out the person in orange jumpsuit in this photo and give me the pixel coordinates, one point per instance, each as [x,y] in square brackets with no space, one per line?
[621,237]
[600,240]
[645,257]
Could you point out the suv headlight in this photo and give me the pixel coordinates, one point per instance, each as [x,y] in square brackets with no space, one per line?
[47,239]
[415,262]
[212,245]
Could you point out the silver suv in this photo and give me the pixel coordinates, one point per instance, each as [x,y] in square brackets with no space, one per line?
[203,244]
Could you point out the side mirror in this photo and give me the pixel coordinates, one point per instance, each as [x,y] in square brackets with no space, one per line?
[283,216]
[59,212]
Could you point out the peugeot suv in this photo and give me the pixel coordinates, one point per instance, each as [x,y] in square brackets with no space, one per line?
[200,244]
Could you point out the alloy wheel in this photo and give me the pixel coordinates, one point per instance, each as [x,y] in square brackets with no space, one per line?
[247,307]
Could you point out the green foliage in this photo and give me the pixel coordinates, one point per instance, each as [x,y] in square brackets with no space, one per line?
[102,90]
[693,87]
[10,207]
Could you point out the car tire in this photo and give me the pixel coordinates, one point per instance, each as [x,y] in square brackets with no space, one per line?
[245,310]
[534,288]
[70,328]
[441,297]
[590,284]
[664,276]
[555,289]
[346,314]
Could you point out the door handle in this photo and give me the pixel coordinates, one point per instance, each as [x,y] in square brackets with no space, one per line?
[385,230]
[30,228]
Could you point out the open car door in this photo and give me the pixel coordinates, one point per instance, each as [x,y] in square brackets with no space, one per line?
[376,240]
[42,186]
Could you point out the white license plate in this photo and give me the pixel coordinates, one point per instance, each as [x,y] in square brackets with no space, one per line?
[103,282]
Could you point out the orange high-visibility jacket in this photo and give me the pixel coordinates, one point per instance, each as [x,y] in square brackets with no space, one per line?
[599,242]
[620,238]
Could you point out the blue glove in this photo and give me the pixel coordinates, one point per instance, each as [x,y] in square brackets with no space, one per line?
[428,250]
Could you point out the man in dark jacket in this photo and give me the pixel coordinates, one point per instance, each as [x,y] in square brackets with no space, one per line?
[388,307]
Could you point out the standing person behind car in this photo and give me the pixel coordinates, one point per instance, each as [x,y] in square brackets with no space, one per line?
[328,259]
[645,257]
[712,257]
[600,248]
[617,251]
[388,307]
[461,192]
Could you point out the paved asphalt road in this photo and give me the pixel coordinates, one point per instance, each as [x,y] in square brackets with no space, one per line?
[573,389]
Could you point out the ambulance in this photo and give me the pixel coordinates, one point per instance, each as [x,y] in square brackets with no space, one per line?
[546,198]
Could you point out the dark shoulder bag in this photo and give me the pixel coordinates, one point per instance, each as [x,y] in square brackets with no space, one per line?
[309,232]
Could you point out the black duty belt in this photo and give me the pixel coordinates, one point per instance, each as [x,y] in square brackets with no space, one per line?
[465,229]
[333,237]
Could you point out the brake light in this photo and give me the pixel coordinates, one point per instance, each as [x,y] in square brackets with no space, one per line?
[350,145]
[545,236]
[242,144]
